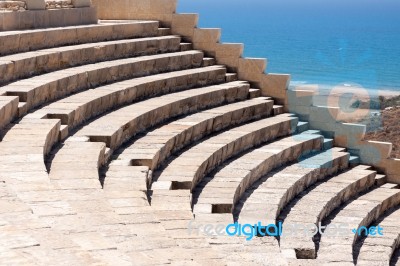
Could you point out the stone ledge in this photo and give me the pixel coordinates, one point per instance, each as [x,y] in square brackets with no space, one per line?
[33,19]
[161,10]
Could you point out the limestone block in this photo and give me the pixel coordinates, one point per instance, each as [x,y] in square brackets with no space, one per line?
[72,17]
[56,17]
[184,21]
[349,135]
[324,114]
[8,109]
[376,150]
[356,131]
[41,18]
[228,50]
[392,166]
[35,4]
[394,178]
[251,69]
[324,126]
[299,97]
[81,3]
[207,47]
[209,35]
[275,85]
[27,20]
[162,6]
[186,33]
[9,20]
[89,15]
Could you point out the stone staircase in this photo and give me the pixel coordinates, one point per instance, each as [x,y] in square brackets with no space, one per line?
[116,136]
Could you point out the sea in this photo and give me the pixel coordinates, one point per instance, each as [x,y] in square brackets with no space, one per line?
[326,42]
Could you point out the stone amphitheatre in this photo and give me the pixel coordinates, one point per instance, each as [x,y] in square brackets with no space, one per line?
[124,126]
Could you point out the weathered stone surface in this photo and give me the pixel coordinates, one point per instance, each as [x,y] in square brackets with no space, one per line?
[35,4]
[37,62]
[24,41]
[81,3]
[321,201]
[59,204]
[279,188]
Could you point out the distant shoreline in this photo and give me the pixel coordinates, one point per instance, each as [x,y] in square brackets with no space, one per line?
[344,96]
[326,90]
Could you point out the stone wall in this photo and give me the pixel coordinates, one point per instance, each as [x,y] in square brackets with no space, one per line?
[347,135]
[161,10]
[32,19]
[32,14]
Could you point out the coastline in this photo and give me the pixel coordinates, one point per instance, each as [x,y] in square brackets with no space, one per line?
[344,96]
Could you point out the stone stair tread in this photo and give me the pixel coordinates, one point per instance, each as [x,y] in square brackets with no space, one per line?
[155,146]
[8,109]
[23,65]
[118,126]
[33,39]
[194,163]
[287,183]
[258,163]
[320,201]
[389,240]
[77,108]
[40,89]
[360,212]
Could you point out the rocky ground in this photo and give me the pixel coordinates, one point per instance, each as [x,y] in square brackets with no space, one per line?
[12,5]
[389,130]
[6,6]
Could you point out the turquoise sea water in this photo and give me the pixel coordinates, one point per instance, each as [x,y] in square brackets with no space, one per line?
[316,41]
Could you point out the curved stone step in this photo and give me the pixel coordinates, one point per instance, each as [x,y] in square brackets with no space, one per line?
[219,192]
[379,250]
[360,212]
[140,228]
[20,138]
[118,126]
[166,82]
[266,199]
[200,159]
[121,187]
[319,202]
[157,145]
[8,109]
[77,108]
[84,222]
[22,152]
[44,88]
[29,40]
[24,65]
[75,164]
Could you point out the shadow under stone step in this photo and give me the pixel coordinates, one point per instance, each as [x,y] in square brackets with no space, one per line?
[267,198]
[29,40]
[220,191]
[319,202]
[157,145]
